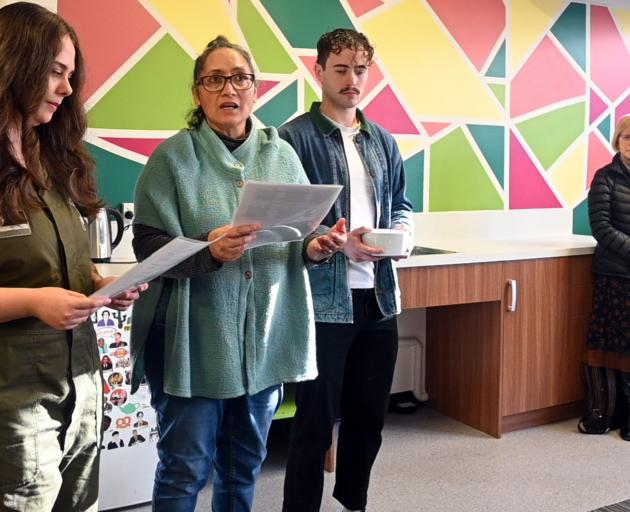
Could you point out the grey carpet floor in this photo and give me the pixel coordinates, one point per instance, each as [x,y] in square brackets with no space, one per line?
[431,463]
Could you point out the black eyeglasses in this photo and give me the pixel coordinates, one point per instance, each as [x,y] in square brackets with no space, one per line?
[216,83]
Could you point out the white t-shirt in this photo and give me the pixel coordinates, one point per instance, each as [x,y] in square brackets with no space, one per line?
[362,204]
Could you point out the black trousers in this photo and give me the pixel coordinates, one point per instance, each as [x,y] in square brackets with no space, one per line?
[356,366]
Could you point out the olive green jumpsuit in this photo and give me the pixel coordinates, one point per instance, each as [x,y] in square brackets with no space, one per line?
[50,380]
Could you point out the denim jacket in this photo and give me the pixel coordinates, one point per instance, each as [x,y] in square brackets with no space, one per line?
[319,145]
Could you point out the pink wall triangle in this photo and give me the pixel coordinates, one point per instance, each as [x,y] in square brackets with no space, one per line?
[143,146]
[476,26]
[309,63]
[528,188]
[360,7]
[99,26]
[610,59]
[264,86]
[597,106]
[545,78]
[374,78]
[623,109]
[386,110]
[433,128]
[599,154]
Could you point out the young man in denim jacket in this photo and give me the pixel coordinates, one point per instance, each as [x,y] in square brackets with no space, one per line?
[355,292]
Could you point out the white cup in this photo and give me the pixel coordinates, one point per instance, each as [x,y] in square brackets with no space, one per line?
[394,242]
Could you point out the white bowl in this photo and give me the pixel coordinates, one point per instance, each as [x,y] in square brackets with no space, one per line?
[394,242]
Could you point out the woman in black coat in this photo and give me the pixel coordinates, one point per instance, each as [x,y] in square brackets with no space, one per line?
[609,328]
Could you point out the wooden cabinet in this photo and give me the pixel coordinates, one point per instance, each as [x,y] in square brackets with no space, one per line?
[544,338]
[424,287]
[499,370]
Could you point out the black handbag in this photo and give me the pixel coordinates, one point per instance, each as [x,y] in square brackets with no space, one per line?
[601,398]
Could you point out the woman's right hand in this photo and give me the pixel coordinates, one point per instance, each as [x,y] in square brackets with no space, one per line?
[63,309]
[229,242]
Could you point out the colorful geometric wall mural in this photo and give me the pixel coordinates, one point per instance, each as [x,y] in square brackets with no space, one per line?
[495,105]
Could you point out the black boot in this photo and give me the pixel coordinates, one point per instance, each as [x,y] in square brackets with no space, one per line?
[624,431]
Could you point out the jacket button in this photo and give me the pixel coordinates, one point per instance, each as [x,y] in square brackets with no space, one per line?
[239,183]
[248,274]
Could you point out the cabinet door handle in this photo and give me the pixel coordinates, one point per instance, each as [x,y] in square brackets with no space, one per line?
[511,305]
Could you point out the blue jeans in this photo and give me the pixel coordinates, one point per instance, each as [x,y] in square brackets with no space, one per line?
[201,436]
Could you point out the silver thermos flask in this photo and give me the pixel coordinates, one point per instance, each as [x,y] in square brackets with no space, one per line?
[101,240]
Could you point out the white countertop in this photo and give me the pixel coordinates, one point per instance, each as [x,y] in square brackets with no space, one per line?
[505,249]
[467,251]
[113,268]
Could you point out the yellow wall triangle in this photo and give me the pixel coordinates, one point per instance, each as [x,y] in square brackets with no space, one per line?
[199,21]
[528,21]
[569,175]
[435,78]
[409,146]
[623,20]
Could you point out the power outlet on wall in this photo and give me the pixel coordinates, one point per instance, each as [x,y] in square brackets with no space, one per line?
[127,212]
[123,253]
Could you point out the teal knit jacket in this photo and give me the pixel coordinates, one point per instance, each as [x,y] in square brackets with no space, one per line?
[250,324]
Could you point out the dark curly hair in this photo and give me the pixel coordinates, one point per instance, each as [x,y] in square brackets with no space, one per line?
[341,39]
[196,115]
[54,155]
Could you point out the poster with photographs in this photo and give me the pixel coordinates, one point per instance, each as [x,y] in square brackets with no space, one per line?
[129,420]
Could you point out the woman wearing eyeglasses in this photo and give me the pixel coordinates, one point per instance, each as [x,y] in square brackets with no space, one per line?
[229,325]
[609,329]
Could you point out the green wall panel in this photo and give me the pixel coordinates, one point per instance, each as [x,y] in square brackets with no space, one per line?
[309,96]
[303,21]
[278,109]
[604,128]
[458,180]
[570,29]
[115,176]
[497,66]
[491,142]
[153,95]
[414,184]
[581,224]
[549,135]
[268,52]
[499,92]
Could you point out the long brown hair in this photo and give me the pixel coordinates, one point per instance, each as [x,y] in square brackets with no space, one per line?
[54,154]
